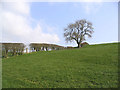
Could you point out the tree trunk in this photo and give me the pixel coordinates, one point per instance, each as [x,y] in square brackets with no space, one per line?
[53,48]
[6,53]
[42,48]
[78,45]
[46,48]
[22,51]
[14,52]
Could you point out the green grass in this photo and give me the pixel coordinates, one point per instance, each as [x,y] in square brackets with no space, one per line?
[94,66]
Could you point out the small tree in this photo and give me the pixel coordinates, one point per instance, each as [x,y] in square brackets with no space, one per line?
[77,31]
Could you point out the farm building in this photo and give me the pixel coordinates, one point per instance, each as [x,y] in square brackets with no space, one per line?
[84,44]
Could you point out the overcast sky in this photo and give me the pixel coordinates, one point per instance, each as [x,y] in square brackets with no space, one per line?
[44,22]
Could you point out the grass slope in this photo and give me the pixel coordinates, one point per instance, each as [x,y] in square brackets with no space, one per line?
[93,66]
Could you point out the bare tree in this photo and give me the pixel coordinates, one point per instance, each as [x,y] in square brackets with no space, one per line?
[13,48]
[77,31]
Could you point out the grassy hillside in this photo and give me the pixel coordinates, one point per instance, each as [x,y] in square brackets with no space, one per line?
[92,66]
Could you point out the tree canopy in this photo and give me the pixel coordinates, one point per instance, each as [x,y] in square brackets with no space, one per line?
[77,31]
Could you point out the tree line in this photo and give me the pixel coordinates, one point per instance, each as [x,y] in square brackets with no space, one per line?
[12,49]
[44,47]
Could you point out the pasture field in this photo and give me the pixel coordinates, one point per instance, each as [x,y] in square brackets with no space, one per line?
[94,66]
